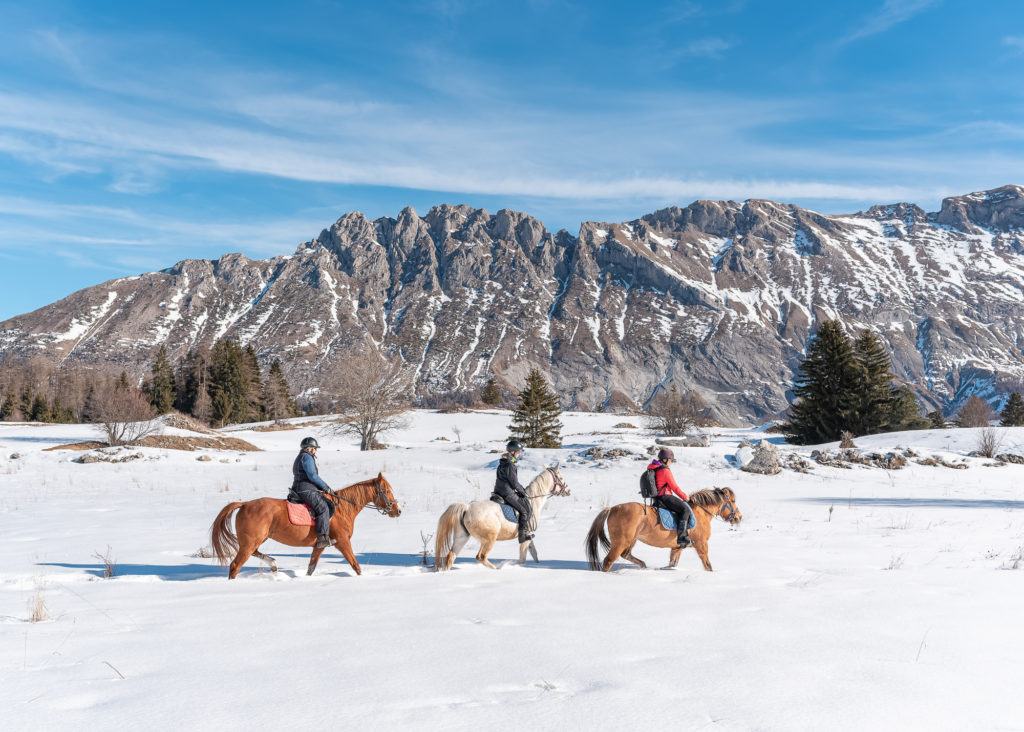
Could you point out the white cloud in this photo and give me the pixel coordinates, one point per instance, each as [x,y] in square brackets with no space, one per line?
[1015,42]
[892,13]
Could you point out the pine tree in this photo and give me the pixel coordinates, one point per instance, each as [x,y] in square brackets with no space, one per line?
[123,383]
[490,394]
[229,385]
[277,400]
[253,386]
[876,398]
[1013,413]
[161,390]
[825,388]
[936,419]
[40,410]
[535,419]
[903,412]
[8,407]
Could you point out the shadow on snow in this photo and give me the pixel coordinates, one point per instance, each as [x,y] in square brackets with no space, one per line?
[916,502]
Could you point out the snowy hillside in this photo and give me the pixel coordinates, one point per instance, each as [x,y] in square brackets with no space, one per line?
[846,599]
[718,296]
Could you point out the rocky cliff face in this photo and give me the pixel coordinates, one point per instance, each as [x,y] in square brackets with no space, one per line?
[718,296]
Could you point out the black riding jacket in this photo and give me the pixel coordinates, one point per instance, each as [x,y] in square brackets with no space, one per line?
[507,479]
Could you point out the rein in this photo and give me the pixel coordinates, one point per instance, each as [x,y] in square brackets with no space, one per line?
[726,504]
[384,511]
[558,483]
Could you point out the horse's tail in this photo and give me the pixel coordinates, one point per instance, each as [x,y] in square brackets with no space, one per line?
[447,525]
[595,535]
[222,538]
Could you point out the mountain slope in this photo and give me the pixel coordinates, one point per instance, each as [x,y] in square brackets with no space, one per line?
[717,296]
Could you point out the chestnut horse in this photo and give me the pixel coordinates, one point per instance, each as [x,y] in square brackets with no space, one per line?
[267,518]
[632,522]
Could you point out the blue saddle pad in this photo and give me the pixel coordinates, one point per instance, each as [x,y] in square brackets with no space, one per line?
[509,512]
[668,520]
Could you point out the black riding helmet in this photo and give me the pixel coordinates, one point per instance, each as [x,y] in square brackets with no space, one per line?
[309,442]
[514,446]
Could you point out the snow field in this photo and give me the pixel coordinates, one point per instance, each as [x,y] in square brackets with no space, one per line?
[895,609]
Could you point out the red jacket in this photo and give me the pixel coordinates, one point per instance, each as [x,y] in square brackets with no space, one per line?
[665,481]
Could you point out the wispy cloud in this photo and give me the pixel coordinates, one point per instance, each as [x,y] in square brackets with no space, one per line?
[892,13]
[707,47]
[1015,42]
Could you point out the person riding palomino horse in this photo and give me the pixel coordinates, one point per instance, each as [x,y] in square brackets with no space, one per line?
[309,487]
[675,504]
[506,485]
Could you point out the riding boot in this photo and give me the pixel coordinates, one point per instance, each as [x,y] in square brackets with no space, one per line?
[682,538]
[323,541]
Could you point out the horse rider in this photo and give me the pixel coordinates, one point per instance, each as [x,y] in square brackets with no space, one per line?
[507,486]
[670,496]
[309,487]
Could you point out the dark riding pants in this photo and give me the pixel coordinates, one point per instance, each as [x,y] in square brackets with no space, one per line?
[680,509]
[522,507]
[319,506]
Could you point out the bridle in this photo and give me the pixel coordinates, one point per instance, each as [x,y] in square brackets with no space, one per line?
[558,481]
[381,497]
[726,504]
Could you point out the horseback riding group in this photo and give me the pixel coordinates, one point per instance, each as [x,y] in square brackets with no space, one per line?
[326,517]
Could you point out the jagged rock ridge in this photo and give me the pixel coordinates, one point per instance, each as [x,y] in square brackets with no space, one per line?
[718,296]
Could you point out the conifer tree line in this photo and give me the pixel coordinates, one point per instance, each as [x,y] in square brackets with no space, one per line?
[219,386]
[845,385]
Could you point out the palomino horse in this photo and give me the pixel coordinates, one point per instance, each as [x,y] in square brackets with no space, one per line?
[632,522]
[483,520]
[267,518]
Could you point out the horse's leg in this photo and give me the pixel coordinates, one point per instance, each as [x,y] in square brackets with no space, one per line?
[344,544]
[533,551]
[701,545]
[523,548]
[246,548]
[628,554]
[266,558]
[673,556]
[460,541]
[313,559]
[486,544]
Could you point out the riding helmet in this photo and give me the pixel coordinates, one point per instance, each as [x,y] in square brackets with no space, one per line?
[310,442]
[514,446]
[665,454]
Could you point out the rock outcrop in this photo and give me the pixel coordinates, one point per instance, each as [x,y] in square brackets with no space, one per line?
[719,297]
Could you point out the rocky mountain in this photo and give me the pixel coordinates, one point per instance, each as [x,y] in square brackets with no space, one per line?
[718,296]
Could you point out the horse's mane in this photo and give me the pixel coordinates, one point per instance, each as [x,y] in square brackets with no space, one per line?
[360,484]
[535,481]
[708,497]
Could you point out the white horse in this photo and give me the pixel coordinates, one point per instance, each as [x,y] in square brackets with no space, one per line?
[484,520]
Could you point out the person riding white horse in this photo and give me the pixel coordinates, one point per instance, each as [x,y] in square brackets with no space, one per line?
[507,486]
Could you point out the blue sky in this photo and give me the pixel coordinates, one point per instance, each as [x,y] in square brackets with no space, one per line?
[134,135]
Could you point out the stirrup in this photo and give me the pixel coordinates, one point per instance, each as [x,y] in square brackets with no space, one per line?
[322,541]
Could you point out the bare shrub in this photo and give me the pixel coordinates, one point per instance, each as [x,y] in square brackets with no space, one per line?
[975,412]
[371,395]
[123,414]
[672,412]
[109,563]
[990,441]
[37,606]
[846,440]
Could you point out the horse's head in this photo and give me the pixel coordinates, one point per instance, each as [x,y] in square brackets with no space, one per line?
[385,499]
[560,488]
[729,510]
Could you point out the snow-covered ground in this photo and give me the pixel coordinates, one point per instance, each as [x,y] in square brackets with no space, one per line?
[847,599]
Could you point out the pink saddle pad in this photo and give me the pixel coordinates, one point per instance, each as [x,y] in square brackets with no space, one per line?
[298,514]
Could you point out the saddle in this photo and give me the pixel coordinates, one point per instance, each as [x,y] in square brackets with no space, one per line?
[510,513]
[667,519]
[299,513]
